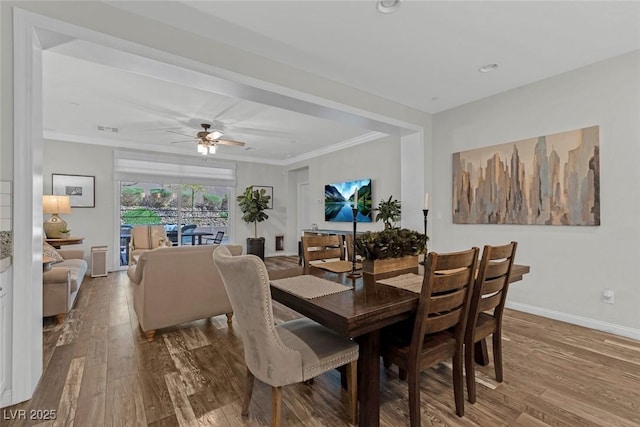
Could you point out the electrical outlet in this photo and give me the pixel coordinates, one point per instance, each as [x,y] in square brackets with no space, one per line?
[608,296]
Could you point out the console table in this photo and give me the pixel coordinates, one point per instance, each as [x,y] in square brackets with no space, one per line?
[56,243]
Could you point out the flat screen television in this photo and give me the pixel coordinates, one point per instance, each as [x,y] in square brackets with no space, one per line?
[338,201]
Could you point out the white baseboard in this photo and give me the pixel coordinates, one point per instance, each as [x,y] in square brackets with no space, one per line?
[598,325]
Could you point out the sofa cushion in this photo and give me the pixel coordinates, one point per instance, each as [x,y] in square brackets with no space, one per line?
[50,251]
[77,270]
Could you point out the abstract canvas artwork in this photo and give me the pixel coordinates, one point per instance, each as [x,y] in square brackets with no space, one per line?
[548,180]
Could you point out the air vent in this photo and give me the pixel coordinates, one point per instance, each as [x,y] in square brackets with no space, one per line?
[107,129]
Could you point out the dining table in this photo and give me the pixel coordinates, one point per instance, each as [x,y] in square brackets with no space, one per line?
[360,313]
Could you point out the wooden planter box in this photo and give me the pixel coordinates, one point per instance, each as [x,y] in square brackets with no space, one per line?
[380,266]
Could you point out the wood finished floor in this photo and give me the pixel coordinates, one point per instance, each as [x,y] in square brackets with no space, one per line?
[100,371]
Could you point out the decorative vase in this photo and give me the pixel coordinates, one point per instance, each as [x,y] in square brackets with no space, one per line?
[379,266]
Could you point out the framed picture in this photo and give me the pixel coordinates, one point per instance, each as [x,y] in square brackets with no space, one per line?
[79,188]
[269,191]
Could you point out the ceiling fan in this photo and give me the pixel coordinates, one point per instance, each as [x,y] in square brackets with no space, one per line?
[209,140]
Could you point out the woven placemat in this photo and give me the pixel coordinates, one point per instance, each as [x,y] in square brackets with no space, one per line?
[337,266]
[309,287]
[410,282]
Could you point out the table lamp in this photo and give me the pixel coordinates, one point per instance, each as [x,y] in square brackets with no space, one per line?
[55,205]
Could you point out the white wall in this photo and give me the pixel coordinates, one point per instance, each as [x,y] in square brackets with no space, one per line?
[266,175]
[570,266]
[378,160]
[98,224]
[95,224]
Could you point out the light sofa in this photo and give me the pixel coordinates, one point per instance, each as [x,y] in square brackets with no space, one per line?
[60,285]
[176,285]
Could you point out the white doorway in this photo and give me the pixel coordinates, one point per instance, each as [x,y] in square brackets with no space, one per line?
[303,198]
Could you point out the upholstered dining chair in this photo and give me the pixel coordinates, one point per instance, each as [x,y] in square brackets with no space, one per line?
[438,328]
[322,247]
[489,293]
[291,352]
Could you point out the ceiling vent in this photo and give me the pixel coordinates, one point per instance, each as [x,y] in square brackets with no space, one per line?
[107,129]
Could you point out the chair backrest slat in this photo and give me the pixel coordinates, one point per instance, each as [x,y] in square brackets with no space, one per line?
[451,281]
[492,283]
[322,247]
[445,296]
[443,321]
[497,268]
[446,302]
[487,303]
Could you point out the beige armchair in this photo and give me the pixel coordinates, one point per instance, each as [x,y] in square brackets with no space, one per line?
[176,285]
[291,352]
[145,238]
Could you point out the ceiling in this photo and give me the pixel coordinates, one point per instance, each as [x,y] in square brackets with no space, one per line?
[426,56]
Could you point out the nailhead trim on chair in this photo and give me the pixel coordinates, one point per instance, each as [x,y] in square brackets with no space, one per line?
[265,286]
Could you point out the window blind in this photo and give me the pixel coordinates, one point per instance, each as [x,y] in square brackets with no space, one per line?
[172,169]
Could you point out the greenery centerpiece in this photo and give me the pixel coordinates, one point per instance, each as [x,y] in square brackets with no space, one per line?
[253,204]
[393,248]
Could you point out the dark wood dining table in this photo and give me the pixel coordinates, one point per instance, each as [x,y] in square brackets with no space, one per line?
[360,314]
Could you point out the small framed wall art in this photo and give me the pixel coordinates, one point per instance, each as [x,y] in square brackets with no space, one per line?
[269,191]
[79,188]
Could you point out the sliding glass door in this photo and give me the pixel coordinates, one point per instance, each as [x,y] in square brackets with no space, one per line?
[192,214]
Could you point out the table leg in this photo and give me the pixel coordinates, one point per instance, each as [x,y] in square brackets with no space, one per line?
[369,379]
[480,352]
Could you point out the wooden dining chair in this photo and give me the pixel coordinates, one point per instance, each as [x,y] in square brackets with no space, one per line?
[349,248]
[439,326]
[489,294]
[291,352]
[315,248]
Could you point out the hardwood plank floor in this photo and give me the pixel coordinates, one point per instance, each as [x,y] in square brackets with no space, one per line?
[100,371]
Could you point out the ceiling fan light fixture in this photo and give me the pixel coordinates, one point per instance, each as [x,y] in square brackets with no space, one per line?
[212,149]
[202,149]
[216,134]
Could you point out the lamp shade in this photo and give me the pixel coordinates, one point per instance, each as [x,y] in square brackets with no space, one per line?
[56,204]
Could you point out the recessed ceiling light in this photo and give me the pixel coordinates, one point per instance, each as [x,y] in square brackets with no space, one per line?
[488,68]
[388,6]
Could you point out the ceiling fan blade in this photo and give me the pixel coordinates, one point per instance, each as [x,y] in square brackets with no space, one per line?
[179,133]
[228,142]
[177,142]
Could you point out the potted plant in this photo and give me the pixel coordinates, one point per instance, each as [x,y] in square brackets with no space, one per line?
[65,233]
[253,204]
[388,212]
[393,248]
[390,249]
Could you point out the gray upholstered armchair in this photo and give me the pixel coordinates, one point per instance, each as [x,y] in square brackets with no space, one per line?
[291,352]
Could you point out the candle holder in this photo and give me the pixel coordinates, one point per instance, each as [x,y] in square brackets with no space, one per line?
[354,273]
[425,212]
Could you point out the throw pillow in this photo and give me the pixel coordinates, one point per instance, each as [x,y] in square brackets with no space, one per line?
[50,251]
[158,238]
